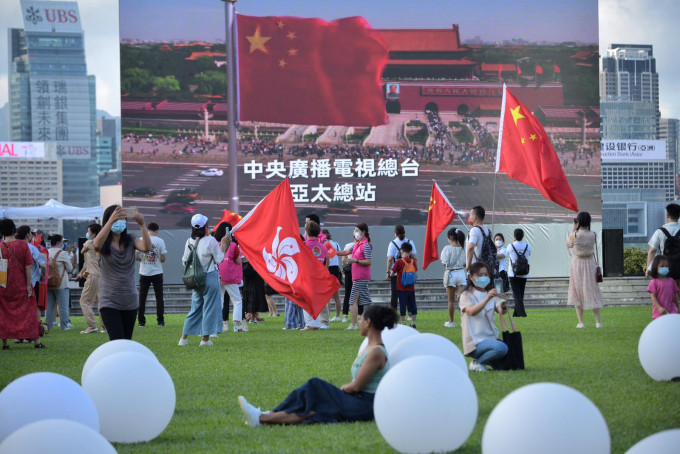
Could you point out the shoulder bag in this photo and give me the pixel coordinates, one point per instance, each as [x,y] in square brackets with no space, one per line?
[598,270]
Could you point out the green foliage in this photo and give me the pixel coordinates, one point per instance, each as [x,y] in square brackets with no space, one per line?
[417,123]
[634,262]
[463,109]
[211,83]
[136,80]
[419,136]
[464,135]
[266,363]
[167,84]
[311,137]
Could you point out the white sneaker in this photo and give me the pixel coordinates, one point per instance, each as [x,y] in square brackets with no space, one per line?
[580,325]
[225,326]
[207,343]
[408,319]
[244,327]
[183,342]
[598,325]
[344,319]
[352,327]
[213,335]
[450,324]
[251,413]
[336,319]
[323,326]
[475,366]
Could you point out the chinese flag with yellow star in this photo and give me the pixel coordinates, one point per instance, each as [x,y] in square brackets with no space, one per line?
[526,154]
[310,72]
[439,216]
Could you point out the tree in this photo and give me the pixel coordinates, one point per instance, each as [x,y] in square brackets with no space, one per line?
[167,84]
[136,80]
[211,83]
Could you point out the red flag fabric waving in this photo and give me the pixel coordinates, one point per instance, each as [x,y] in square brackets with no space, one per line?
[228,216]
[439,216]
[539,70]
[311,72]
[526,154]
[556,69]
[519,71]
[269,237]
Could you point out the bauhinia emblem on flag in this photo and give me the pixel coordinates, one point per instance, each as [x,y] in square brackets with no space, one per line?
[439,216]
[311,72]
[269,237]
[526,154]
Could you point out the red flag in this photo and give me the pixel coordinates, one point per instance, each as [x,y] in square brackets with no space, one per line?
[439,216]
[556,69]
[228,216]
[311,72]
[500,70]
[519,71]
[269,237]
[539,70]
[526,154]
[332,252]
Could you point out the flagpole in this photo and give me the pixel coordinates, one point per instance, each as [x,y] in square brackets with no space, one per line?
[498,160]
[232,103]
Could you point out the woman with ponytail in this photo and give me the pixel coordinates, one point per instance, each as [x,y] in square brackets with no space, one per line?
[360,258]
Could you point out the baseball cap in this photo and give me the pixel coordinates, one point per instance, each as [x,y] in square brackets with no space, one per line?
[198,221]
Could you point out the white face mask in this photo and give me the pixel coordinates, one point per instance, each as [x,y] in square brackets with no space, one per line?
[499,243]
[357,236]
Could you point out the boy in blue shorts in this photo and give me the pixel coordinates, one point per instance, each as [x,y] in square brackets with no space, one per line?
[406,293]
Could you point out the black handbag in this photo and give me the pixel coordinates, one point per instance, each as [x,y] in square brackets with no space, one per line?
[514,360]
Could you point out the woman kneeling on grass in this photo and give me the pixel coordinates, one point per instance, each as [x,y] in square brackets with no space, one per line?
[318,401]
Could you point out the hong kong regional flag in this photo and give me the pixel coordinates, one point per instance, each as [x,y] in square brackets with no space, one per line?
[310,72]
[439,216]
[269,237]
[526,154]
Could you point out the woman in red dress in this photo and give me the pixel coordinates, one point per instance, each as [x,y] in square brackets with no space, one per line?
[18,318]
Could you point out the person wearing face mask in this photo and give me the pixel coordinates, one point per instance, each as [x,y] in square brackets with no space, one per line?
[518,281]
[59,294]
[360,259]
[502,254]
[477,307]
[584,293]
[118,296]
[92,275]
[663,290]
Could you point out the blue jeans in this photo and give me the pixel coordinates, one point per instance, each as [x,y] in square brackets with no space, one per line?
[57,296]
[489,351]
[205,316]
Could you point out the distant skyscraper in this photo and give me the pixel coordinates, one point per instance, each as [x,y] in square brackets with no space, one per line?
[669,130]
[107,128]
[52,99]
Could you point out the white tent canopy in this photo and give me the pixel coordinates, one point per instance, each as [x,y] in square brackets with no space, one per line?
[53,209]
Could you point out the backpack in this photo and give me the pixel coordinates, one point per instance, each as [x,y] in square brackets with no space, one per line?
[671,249]
[408,275]
[54,281]
[488,254]
[398,256]
[521,266]
[194,274]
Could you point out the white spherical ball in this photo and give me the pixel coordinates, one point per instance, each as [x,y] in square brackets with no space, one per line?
[391,337]
[56,436]
[428,344]
[658,348]
[666,442]
[425,404]
[134,395]
[44,395]
[545,417]
[109,348]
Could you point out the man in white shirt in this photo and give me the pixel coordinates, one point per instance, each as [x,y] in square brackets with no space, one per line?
[475,236]
[393,254]
[151,272]
[658,240]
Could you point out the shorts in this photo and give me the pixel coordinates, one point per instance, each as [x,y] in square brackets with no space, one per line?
[407,300]
[335,271]
[454,278]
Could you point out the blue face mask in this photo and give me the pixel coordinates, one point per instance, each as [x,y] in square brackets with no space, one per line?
[482,281]
[119,226]
[88,236]
[663,271]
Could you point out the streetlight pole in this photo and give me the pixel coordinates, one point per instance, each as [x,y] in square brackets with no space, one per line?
[232,102]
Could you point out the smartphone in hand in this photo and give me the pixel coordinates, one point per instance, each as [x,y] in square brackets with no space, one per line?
[130,212]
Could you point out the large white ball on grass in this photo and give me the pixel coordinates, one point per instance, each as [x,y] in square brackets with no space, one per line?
[109,348]
[666,442]
[134,396]
[658,348]
[545,418]
[425,404]
[56,436]
[44,395]
[391,337]
[428,344]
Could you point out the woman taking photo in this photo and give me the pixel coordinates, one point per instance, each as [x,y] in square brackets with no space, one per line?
[360,258]
[584,293]
[205,316]
[118,297]
[318,401]
[477,307]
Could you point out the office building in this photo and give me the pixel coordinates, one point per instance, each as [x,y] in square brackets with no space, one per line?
[669,130]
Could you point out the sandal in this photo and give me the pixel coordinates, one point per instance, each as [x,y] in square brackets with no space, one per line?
[40,345]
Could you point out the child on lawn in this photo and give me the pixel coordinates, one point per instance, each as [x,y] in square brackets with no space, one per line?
[406,294]
[662,289]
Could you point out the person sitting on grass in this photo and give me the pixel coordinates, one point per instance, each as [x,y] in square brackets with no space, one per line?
[318,401]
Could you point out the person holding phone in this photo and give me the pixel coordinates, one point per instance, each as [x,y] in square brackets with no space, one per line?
[118,296]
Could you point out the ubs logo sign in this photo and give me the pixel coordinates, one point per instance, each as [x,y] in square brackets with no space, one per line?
[33,15]
[52,15]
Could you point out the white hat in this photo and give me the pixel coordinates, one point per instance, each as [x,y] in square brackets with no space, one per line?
[198,221]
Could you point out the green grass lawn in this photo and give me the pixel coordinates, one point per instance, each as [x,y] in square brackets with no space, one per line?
[266,363]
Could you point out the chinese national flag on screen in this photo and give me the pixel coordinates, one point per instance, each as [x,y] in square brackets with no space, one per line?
[539,70]
[269,237]
[556,69]
[439,216]
[311,72]
[526,154]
